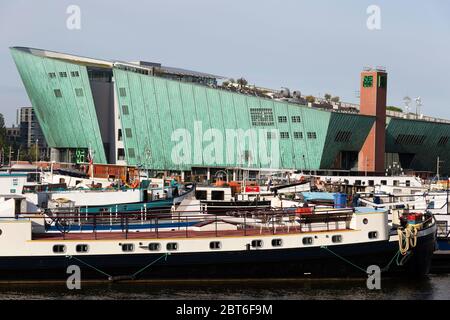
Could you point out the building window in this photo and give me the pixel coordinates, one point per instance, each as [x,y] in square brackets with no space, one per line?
[127,247]
[284,135]
[298,135]
[282,119]
[128,133]
[58,93]
[120,154]
[154,246]
[52,75]
[172,246]
[131,153]
[59,248]
[296,119]
[261,117]
[215,245]
[74,74]
[119,134]
[257,243]
[82,248]
[382,81]
[271,135]
[312,135]
[79,92]
[122,92]
[63,74]
[125,110]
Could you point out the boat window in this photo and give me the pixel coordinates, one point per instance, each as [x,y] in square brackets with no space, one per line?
[336,238]
[373,234]
[357,182]
[307,240]
[82,248]
[59,248]
[217,195]
[154,246]
[396,183]
[214,245]
[277,242]
[201,194]
[127,247]
[172,246]
[408,183]
[257,243]
[1,232]
[383,182]
[371,183]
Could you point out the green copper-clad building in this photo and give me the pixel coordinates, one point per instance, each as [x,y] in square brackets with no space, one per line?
[165,118]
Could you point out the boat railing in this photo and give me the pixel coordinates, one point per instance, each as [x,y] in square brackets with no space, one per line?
[187,224]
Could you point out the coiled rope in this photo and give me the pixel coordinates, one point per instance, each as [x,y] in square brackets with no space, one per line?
[407,237]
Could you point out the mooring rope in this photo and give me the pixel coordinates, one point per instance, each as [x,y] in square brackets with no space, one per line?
[385,269]
[91,266]
[150,264]
[110,277]
[342,258]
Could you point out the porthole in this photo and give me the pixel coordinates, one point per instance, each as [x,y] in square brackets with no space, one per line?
[82,248]
[1,232]
[59,248]
[257,243]
[127,247]
[365,221]
[307,241]
[277,242]
[172,246]
[336,238]
[215,245]
[373,235]
[154,246]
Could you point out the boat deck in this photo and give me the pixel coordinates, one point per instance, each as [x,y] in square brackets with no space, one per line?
[176,234]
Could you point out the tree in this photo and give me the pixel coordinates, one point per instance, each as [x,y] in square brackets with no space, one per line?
[33,153]
[327,96]
[310,99]
[335,99]
[241,82]
[395,109]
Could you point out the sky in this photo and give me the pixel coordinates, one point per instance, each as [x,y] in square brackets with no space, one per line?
[316,46]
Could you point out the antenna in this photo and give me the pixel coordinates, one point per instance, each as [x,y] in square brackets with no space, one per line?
[407,101]
[418,105]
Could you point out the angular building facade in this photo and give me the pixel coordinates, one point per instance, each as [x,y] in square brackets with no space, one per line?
[165,118]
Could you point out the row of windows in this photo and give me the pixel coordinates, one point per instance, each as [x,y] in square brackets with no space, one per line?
[63,74]
[285,135]
[78,92]
[411,139]
[213,245]
[283,119]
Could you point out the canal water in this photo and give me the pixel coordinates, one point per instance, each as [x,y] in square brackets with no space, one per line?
[430,288]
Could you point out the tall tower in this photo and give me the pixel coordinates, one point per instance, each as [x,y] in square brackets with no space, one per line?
[373,103]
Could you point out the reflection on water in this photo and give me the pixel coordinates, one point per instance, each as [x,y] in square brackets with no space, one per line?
[433,287]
